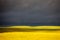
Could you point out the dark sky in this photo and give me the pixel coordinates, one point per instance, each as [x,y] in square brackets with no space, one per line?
[42,12]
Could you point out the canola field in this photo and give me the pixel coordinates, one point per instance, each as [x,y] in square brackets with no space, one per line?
[31,35]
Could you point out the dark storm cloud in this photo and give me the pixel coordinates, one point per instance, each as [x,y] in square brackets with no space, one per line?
[16,12]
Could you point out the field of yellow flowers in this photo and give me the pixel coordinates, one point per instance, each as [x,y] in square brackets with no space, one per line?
[32,35]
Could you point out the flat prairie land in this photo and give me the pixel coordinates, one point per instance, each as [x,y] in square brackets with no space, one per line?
[39,35]
[29,33]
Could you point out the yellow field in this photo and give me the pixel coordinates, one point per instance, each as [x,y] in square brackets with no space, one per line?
[35,35]
[39,35]
[35,27]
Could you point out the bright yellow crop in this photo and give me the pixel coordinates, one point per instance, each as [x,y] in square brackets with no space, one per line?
[39,35]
